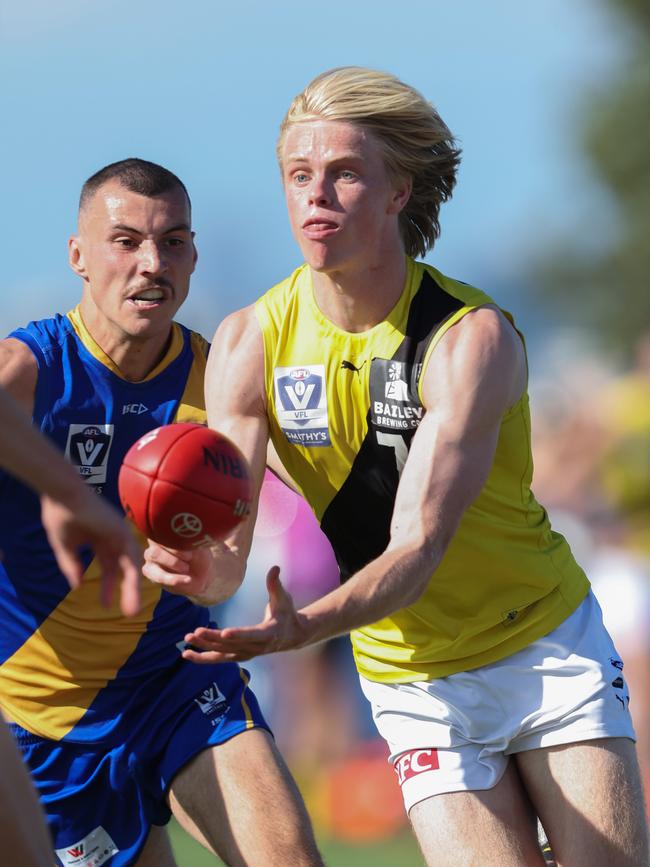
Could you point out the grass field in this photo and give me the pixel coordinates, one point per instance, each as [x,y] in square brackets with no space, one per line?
[401,850]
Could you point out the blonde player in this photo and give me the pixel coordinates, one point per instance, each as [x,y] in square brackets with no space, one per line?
[395,397]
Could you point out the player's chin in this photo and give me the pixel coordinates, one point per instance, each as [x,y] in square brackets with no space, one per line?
[321,264]
[320,255]
[147,321]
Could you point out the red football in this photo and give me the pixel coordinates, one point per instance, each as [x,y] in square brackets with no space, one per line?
[185,485]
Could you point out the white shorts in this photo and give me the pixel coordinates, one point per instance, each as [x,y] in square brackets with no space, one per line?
[456,733]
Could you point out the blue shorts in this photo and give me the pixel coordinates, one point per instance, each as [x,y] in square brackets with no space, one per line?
[102,799]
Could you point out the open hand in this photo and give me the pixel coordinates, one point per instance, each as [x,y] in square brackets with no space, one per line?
[283,628]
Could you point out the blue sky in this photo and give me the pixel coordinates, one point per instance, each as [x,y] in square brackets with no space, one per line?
[201,87]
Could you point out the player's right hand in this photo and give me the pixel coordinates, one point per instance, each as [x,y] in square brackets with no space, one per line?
[205,575]
[93,522]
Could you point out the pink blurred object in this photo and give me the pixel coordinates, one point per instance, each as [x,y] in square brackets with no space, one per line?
[278,507]
[309,568]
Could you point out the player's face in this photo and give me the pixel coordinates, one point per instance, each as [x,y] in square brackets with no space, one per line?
[343,205]
[136,255]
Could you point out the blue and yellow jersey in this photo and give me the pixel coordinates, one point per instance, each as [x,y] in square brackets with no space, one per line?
[68,666]
[343,408]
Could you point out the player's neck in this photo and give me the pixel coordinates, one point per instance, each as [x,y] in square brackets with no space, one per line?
[134,356]
[357,299]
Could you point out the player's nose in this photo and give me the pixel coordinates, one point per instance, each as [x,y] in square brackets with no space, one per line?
[320,191]
[152,258]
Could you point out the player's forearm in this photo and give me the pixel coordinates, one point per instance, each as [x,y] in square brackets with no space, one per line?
[420,534]
[421,530]
[394,580]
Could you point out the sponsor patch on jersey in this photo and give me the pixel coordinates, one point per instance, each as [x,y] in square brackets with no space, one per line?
[392,406]
[96,848]
[87,449]
[134,409]
[301,404]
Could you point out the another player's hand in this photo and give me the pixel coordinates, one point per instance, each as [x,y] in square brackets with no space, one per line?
[91,521]
[283,628]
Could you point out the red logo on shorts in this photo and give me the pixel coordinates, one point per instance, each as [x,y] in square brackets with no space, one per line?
[415,762]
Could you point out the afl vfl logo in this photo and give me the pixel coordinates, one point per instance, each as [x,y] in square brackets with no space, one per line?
[301,404]
[87,448]
[186,524]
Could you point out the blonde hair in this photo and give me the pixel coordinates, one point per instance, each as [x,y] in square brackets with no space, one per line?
[416,142]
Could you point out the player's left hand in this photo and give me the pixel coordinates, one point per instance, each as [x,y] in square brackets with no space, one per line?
[283,628]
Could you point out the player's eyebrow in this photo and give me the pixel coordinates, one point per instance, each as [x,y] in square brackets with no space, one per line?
[122,227]
[297,159]
[181,227]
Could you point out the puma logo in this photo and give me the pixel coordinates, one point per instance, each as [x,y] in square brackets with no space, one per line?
[347,365]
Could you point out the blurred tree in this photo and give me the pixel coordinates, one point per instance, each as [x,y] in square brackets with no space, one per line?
[605,285]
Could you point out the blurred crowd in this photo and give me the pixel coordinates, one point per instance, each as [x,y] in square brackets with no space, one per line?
[591,446]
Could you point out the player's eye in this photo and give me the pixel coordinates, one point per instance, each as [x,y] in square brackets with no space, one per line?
[347,175]
[175,242]
[127,243]
[300,177]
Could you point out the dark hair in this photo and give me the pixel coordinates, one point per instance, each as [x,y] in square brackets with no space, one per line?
[138,176]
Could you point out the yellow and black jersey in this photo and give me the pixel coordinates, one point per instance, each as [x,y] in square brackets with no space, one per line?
[343,408]
[69,668]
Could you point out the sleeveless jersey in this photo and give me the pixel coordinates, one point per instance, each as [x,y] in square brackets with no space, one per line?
[343,409]
[68,666]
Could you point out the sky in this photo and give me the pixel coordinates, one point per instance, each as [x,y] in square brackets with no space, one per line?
[202,86]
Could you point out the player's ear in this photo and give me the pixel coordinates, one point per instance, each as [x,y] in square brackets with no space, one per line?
[76,257]
[401,193]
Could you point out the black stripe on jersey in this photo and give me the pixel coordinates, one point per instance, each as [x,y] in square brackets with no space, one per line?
[357,521]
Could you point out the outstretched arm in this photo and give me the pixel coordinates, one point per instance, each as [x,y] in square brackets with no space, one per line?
[476,373]
[72,514]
